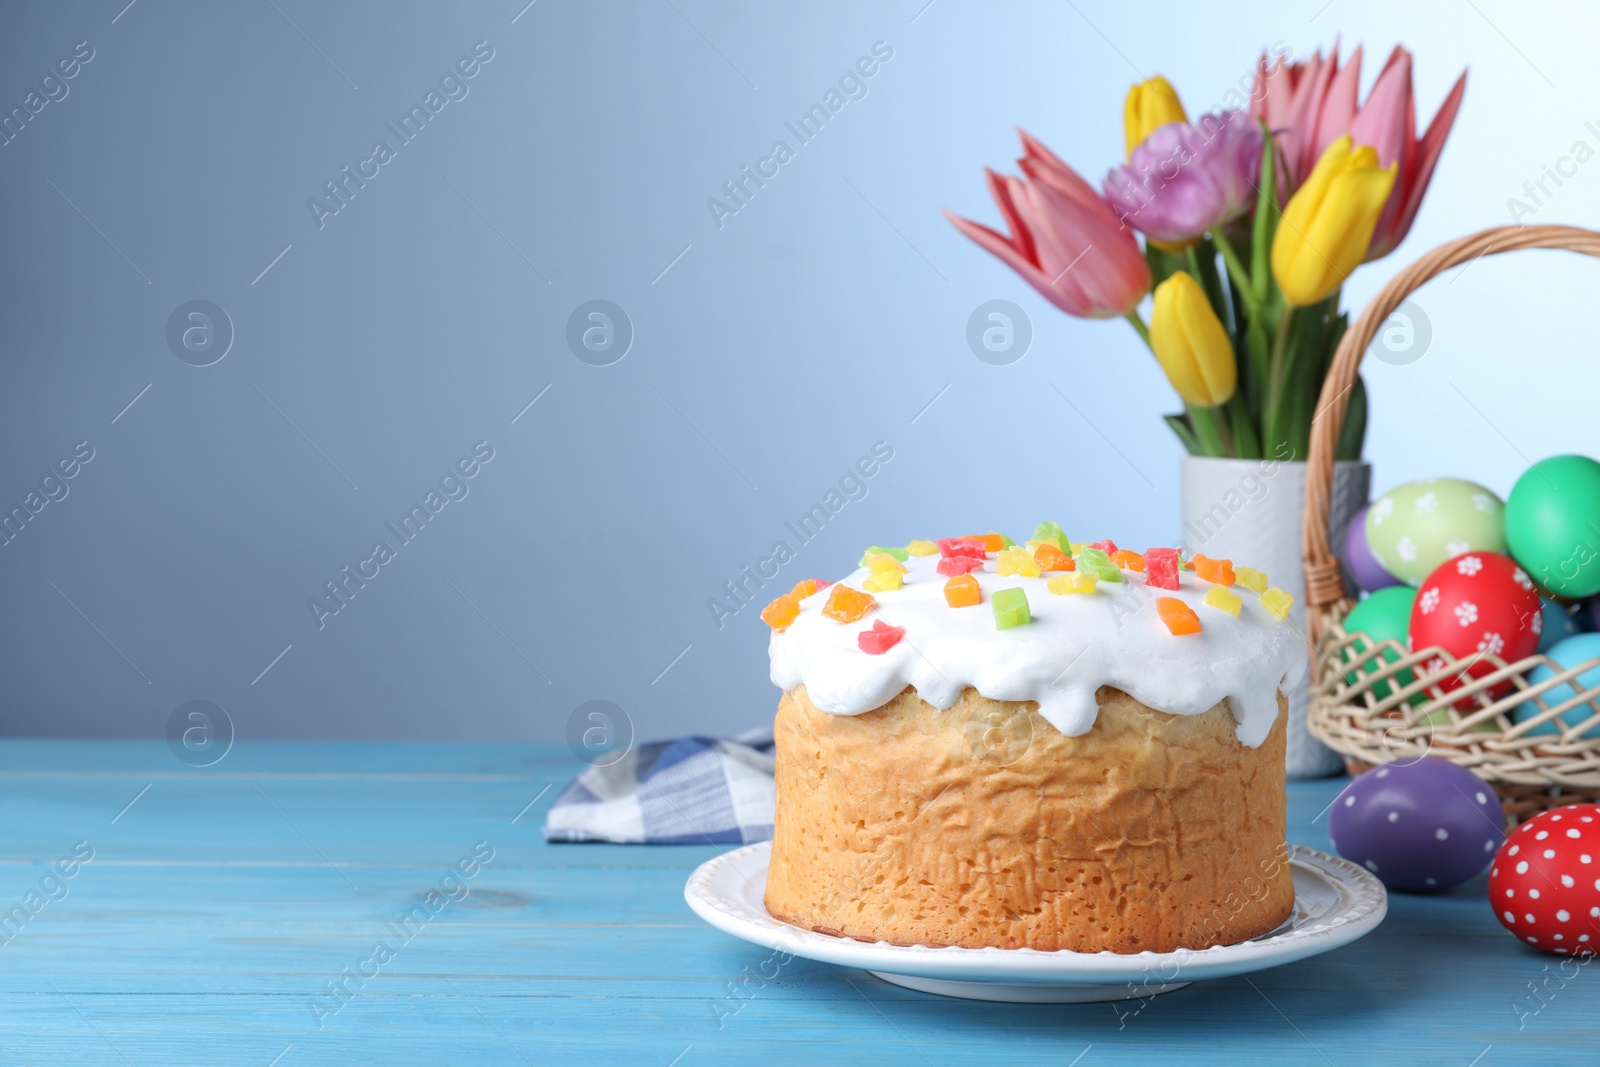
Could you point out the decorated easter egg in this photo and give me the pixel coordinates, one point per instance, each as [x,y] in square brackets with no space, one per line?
[1588,614]
[1364,566]
[1553,524]
[1560,623]
[1382,616]
[1545,882]
[1413,528]
[1419,826]
[1572,652]
[1476,605]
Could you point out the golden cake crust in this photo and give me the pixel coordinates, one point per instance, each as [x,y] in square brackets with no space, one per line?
[983,825]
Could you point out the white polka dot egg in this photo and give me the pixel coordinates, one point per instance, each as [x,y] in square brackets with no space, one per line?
[1421,826]
[1545,882]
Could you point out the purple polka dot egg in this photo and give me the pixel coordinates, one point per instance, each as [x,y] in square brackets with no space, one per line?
[1420,826]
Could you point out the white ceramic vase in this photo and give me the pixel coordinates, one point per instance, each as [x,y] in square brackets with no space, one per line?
[1249,510]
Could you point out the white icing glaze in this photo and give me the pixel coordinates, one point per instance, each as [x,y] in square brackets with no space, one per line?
[1076,643]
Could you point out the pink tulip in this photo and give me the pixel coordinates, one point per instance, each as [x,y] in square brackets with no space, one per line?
[1310,105]
[1187,178]
[1066,241]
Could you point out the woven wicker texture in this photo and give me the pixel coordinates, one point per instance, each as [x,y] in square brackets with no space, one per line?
[1532,771]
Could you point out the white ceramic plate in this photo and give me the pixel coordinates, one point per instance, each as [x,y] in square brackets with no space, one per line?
[1335,903]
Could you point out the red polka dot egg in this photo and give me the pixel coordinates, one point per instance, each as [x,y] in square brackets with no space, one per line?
[1475,605]
[1545,882]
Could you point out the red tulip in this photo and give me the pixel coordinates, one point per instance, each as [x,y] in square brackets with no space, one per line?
[1308,106]
[1066,241]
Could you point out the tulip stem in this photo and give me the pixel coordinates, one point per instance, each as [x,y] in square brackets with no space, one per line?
[1246,445]
[1236,270]
[1207,430]
[1219,414]
[1203,266]
[1275,377]
[1266,221]
[1139,327]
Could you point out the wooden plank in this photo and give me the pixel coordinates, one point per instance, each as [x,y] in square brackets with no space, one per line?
[355,820]
[219,906]
[33,757]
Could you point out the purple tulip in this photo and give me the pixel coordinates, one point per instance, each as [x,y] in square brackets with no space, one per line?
[1187,178]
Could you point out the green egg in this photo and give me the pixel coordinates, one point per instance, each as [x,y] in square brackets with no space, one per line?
[1553,524]
[1441,717]
[1382,616]
[1413,528]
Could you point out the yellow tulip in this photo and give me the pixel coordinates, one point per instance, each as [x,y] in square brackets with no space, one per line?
[1327,225]
[1149,104]
[1190,343]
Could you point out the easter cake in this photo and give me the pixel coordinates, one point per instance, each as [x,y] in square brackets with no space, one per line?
[1046,746]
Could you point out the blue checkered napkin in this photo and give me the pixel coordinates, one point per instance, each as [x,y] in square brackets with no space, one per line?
[692,791]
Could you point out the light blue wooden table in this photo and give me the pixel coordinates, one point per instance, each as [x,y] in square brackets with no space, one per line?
[221,905]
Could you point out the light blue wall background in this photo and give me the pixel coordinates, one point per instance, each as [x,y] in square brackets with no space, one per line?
[771,355]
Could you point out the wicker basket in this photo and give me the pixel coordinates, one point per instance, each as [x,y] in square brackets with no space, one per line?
[1464,724]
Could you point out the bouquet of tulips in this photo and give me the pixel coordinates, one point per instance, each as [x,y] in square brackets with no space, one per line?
[1292,192]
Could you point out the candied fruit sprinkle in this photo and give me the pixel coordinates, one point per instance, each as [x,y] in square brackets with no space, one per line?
[1223,599]
[1251,579]
[846,604]
[1049,557]
[962,591]
[880,639]
[1277,602]
[1161,568]
[969,547]
[883,581]
[1179,617]
[992,542]
[1050,531]
[1096,560]
[1215,571]
[898,553]
[880,562]
[1128,560]
[781,612]
[1010,608]
[1072,582]
[1016,561]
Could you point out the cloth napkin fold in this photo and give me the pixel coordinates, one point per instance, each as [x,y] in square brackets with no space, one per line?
[690,791]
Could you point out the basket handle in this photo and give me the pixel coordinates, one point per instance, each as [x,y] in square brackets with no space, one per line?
[1324,584]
